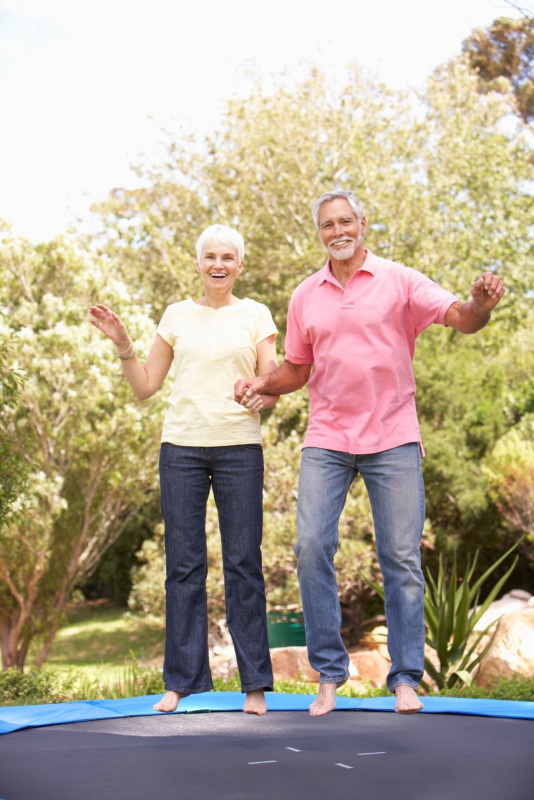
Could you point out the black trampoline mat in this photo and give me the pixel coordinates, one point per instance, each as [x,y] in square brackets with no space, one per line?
[282,756]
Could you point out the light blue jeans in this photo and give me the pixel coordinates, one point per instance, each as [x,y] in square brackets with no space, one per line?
[394,483]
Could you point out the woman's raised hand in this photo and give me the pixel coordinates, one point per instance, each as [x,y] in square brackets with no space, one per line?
[110,324]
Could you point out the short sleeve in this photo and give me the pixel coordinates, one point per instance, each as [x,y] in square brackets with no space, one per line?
[265,324]
[165,326]
[298,346]
[428,301]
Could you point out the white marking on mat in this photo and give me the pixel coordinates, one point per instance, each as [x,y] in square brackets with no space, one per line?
[294,749]
[262,762]
[378,753]
[345,766]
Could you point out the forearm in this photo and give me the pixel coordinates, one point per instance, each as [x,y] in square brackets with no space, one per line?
[467,318]
[144,382]
[269,400]
[137,377]
[286,378]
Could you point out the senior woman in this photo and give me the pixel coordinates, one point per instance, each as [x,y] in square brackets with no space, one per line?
[209,441]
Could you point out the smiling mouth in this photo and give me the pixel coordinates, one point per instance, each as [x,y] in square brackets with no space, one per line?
[217,274]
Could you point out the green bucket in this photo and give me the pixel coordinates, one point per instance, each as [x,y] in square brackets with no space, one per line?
[286,629]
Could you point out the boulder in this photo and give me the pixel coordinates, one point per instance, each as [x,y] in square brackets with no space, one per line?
[368,666]
[512,650]
[375,639]
[511,601]
[223,662]
[291,663]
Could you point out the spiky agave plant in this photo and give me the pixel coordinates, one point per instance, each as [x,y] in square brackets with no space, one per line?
[452,611]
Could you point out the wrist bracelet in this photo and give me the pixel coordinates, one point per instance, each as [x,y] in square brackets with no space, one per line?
[123,352]
[125,358]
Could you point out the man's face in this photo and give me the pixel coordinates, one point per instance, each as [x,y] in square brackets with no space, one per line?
[339,229]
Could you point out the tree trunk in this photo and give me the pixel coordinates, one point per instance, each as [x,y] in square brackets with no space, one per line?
[9,639]
[45,649]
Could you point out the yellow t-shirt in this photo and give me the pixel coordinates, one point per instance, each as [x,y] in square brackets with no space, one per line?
[213,348]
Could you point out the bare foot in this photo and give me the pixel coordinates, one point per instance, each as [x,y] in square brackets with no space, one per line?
[326,699]
[407,701]
[169,701]
[255,703]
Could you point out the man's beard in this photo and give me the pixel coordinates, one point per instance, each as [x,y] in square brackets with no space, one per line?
[343,253]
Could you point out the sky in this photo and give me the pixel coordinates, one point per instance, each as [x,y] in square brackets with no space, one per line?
[87,85]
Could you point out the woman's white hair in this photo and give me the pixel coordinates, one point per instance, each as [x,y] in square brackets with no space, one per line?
[350,197]
[221,234]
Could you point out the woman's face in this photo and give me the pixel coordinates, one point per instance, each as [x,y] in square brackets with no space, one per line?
[219,266]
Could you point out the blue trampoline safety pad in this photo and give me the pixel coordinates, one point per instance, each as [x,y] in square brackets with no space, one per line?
[13,718]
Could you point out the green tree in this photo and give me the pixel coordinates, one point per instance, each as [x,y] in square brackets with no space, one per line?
[13,466]
[92,450]
[510,469]
[503,57]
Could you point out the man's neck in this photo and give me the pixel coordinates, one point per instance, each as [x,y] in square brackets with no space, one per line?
[344,270]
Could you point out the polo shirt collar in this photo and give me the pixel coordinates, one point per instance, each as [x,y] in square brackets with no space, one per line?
[369,265]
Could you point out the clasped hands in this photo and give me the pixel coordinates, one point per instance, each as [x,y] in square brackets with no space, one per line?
[246,393]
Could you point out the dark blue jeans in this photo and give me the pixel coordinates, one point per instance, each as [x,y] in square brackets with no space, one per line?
[236,475]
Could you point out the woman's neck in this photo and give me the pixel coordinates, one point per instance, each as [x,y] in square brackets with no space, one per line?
[217,301]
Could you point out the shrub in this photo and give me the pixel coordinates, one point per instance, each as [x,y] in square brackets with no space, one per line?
[37,686]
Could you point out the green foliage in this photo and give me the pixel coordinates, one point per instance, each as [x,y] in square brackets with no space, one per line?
[510,469]
[503,58]
[53,685]
[518,687]
[93,448]
[148,577]
[37,686]
[462,399]
[40,686]
[14,466]
[452,610]
[367,691]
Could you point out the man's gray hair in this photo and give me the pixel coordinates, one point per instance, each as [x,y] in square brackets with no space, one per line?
[221,234]
[350,197]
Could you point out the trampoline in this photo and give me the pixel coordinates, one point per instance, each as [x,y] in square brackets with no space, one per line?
[210,750]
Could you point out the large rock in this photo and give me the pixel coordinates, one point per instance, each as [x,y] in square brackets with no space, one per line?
[514,600]
[291,663]
[368,666]
[512,650]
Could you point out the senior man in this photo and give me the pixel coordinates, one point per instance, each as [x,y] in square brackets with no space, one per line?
[356,321]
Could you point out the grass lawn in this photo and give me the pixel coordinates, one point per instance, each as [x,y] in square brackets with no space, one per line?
[98,638]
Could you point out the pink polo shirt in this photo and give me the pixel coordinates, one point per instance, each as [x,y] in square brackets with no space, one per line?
[361,342]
